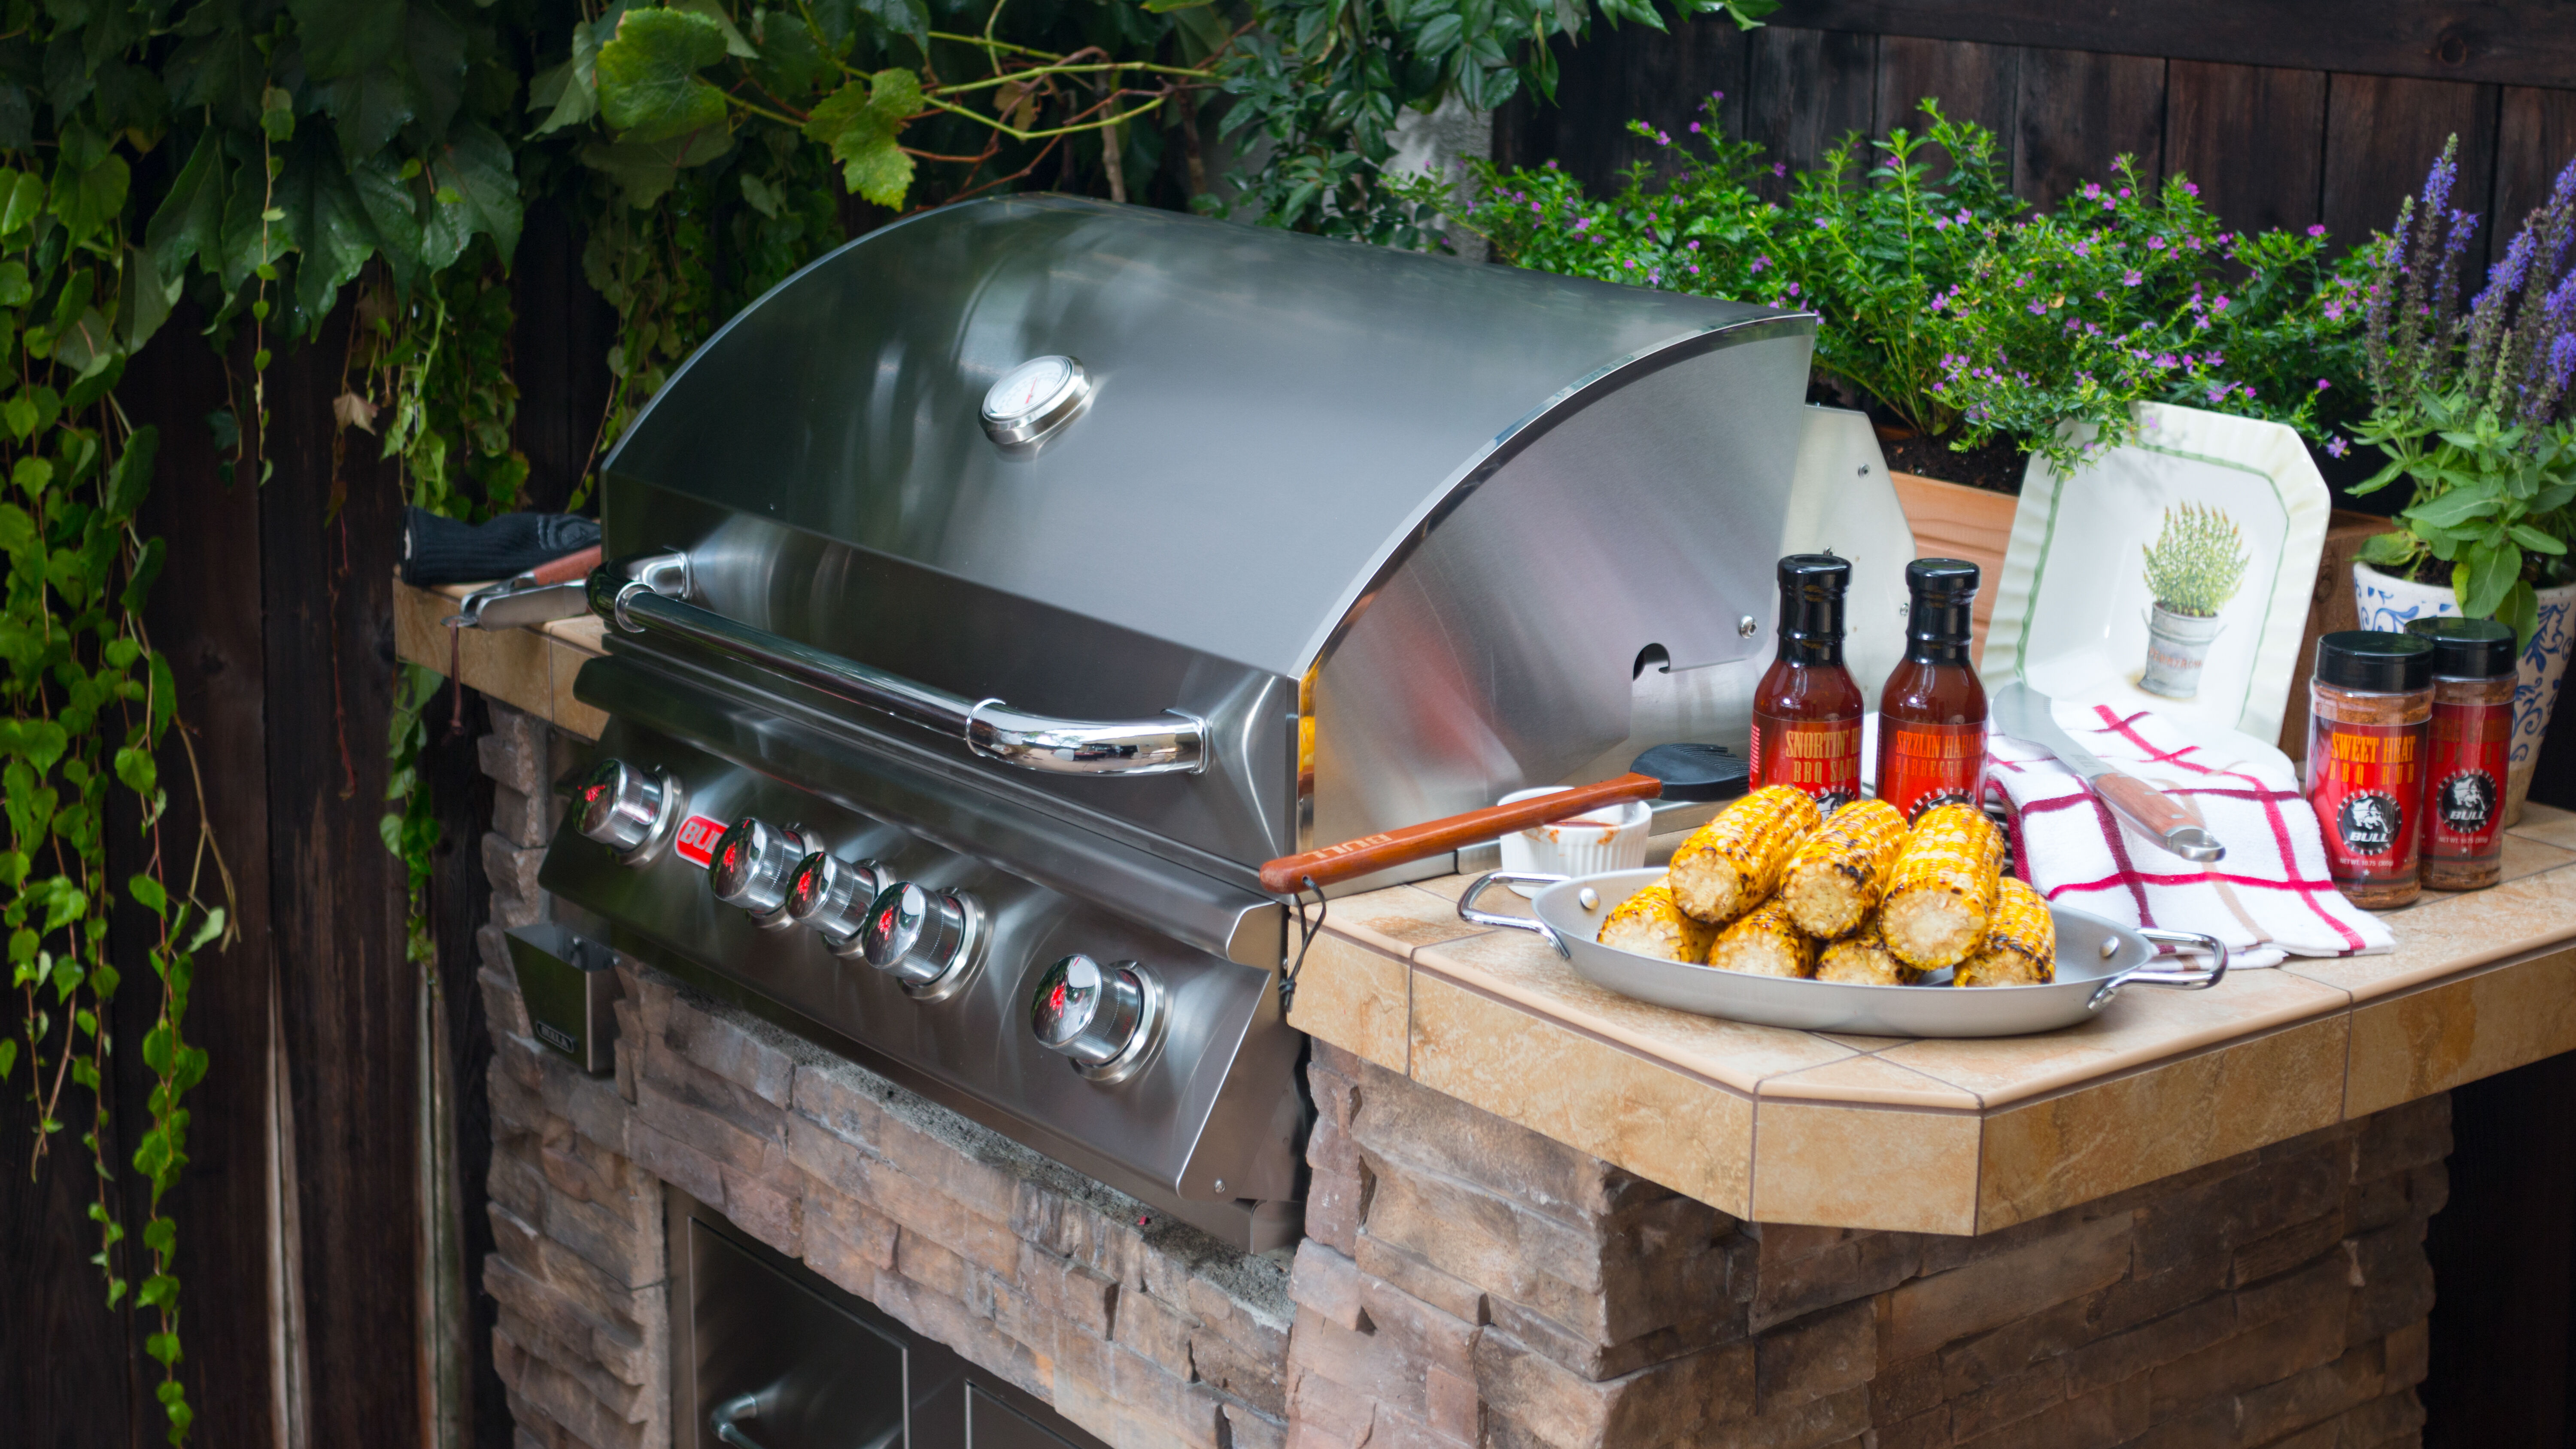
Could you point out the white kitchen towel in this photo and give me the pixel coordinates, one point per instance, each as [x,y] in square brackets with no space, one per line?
[2270,896]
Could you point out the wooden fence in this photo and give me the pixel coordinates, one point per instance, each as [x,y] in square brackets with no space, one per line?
[2286,114]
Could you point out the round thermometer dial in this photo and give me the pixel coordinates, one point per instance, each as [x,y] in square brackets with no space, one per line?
[1033,401]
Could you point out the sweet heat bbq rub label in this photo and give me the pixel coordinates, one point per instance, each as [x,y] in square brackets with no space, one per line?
[2367,784]
[1923,765]
[1819,756]
[2464,763]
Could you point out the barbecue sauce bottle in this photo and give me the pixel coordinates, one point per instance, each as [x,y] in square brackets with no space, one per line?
[1932,714]
[1806,711]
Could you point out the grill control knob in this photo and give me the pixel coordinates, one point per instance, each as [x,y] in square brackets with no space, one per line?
[926,939]
[750,867]
[629,811]
[1107,1018]
[833,896]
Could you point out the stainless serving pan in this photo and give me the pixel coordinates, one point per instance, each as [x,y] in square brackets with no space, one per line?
[2096,961]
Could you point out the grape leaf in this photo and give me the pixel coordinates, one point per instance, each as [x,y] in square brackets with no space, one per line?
[649,88]
[860,122]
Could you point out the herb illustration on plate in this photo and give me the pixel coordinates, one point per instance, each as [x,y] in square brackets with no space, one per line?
[2194,567]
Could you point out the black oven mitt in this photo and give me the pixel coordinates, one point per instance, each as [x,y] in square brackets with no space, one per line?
[439,550]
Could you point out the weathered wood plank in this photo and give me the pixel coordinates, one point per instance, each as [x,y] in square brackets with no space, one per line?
[1805,90]
[349,999]
[204,616]
[1972,81]
[2535,140]
[1632,73]
[2079,110]
[2252,137]
[2382,134]
[2515,42]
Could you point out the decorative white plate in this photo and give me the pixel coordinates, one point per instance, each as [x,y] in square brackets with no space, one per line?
[2071,609]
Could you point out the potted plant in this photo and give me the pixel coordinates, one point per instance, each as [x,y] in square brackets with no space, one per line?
[2194,567]
[2471,408]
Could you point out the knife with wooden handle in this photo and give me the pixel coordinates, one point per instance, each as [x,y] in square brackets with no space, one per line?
[2023,713]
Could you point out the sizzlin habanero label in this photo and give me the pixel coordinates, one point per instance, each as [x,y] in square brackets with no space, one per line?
[1819,756]
[2464,778]
[2367,783]
[1923,765]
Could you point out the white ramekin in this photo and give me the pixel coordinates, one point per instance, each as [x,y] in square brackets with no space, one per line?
[1610,838]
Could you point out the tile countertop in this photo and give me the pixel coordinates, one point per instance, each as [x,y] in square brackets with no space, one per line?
[530,669]
[1964,1136]
[1853,1131]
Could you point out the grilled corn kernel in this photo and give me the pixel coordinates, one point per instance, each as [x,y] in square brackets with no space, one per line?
[1834,880]
[1764,943]
[1862,959]
[1942,887]
[1729,865]
[1649,924]
[2020,948]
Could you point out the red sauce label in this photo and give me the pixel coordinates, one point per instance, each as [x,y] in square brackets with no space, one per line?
[2366,783]
[1923,765]
[2464,764]
[696,842]
[1819,756]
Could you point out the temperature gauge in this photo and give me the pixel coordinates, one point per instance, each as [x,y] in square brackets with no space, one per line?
[1033,401]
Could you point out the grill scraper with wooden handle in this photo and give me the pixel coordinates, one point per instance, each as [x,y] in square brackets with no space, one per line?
[1352,858]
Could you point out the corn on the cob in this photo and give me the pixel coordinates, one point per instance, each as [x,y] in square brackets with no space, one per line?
[2020,948]
[1764,943]
[1862,959]
[1834,880]
[1649,924]
[1942,887]
[1732,863]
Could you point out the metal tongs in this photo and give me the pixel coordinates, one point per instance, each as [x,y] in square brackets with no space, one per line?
[550,591]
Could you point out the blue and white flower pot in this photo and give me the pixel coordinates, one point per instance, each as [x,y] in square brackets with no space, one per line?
[2385,602]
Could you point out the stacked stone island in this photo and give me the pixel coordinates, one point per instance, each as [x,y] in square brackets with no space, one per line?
[1465,1282]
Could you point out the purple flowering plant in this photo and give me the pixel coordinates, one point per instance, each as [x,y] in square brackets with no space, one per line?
[2131,292]
[1863,240]
[2471,404]
[1940,299]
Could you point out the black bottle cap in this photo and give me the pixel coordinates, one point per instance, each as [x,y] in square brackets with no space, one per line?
[1943,590]
[2375,660]
[1811,605]
[1696,772]
[2466,648]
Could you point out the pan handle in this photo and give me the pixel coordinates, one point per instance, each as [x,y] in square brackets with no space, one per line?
[1467,906]
[2152,974]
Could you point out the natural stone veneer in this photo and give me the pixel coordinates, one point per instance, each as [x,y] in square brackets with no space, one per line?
[1466,1282]
[1144,1332]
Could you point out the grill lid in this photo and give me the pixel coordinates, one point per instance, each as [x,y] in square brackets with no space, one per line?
[1264,418]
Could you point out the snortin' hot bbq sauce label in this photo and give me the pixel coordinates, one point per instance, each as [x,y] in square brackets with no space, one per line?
[2367,785]
[1819,756]
[1923,765]
[2464,764]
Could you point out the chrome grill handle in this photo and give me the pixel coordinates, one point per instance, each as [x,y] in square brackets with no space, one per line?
[647,596]
[726,1419]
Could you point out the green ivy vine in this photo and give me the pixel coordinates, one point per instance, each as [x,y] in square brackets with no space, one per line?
[268,165]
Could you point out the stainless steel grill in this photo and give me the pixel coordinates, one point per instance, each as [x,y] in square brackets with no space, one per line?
[995,595]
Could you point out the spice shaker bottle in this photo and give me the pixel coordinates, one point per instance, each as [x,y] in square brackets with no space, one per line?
[1932,712]
[2368,706]
[2464,753]
[1806,710]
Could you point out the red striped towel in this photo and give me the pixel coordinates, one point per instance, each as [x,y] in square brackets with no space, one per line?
[2270,897]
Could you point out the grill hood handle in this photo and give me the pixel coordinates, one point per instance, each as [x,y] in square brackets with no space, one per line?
[649,595]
